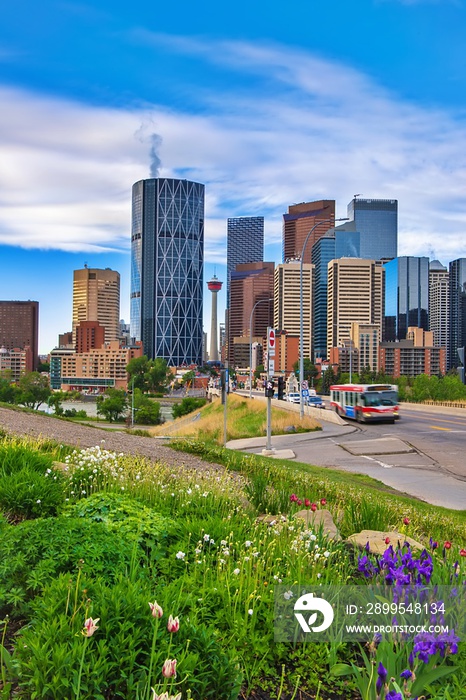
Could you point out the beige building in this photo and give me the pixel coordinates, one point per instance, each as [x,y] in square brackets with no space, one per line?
[16,362]
[96,297]
[439,309]
[365,338]
[355,295]
[92,371]
[287,296]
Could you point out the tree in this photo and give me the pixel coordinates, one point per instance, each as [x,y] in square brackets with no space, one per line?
[258,371]
[158,375]
[56,399]
[34,389]
[8,391]
[146,411]
[310,371]
[112,405]
[137,369]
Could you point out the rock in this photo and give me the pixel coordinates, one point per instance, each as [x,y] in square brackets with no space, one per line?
[290,429]
[320,519]
[378,540]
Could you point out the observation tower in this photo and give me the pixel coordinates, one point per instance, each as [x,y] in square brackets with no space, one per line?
[214,285]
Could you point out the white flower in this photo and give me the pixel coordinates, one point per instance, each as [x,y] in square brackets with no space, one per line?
[236,572]
[313,538]
[206,538]
[180,555]
[326,554]
[189,491]
[198,551]
[248,543]
[223,543]
[250,611]
[287,595]
[247,558]
[319,575]
[317,555]
[38,500]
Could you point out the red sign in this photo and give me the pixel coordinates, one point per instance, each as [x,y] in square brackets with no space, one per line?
[271,338]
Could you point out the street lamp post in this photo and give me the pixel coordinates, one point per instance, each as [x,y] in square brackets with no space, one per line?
[250,342]
[301,312]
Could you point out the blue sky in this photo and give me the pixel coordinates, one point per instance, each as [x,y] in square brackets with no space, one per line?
[266,103]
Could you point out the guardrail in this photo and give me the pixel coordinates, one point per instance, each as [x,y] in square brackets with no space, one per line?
[446,404]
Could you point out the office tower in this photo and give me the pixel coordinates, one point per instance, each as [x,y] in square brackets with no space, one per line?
[167,255]
[406,296]
[250,283]
[332,245]
[300,220]
[214,285]
[457,321]
[96,297]
[245,243]
[19,327]
[355,294]
[287,306]
[438,302]
[377,222]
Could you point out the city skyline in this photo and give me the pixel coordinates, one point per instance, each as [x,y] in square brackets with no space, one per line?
[250,103]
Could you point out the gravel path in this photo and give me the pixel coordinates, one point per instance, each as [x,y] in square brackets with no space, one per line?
[68,433]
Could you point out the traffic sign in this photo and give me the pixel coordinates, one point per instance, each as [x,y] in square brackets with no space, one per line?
[271,341]
[271,366]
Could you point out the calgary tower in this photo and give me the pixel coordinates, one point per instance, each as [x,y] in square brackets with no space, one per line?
[214,285]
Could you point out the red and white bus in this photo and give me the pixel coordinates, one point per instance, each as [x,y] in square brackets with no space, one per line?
[366,403]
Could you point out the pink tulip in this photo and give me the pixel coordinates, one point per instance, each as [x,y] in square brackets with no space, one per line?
[169,668]
[90,626]
[173,624]
[155,609]
[313,507]
[323,501]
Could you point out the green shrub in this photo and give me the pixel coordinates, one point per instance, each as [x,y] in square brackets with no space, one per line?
[34,552]
[26,494]
[187,405]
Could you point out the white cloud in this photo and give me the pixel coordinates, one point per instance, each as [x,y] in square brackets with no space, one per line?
[320,130]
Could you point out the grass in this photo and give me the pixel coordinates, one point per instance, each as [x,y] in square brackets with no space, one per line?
[246,418]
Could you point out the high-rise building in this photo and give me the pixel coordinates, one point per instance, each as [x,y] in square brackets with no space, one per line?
[439,286]
[377,223]
[406,296]
[96,297]
[300,220]
[287,304]
[245,243]
[355,294]
[89,335]
[332,245]
[167,256]
[457,320]
[250,283]
[412,356]
[19,327]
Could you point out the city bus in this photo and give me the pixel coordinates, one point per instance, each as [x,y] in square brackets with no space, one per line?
[366,403]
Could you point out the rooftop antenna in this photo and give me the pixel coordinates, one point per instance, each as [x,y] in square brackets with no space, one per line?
[357,195]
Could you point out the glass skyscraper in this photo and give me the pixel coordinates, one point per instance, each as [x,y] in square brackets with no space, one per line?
[377,222]
[245,243]
[333,245]
[167,255]
[457,320]
[406,296]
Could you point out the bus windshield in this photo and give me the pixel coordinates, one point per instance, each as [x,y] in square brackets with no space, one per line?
[380,398]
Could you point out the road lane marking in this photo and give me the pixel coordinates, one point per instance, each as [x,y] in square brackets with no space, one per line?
[438,427]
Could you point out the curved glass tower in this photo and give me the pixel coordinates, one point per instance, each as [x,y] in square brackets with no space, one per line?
[167,256]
